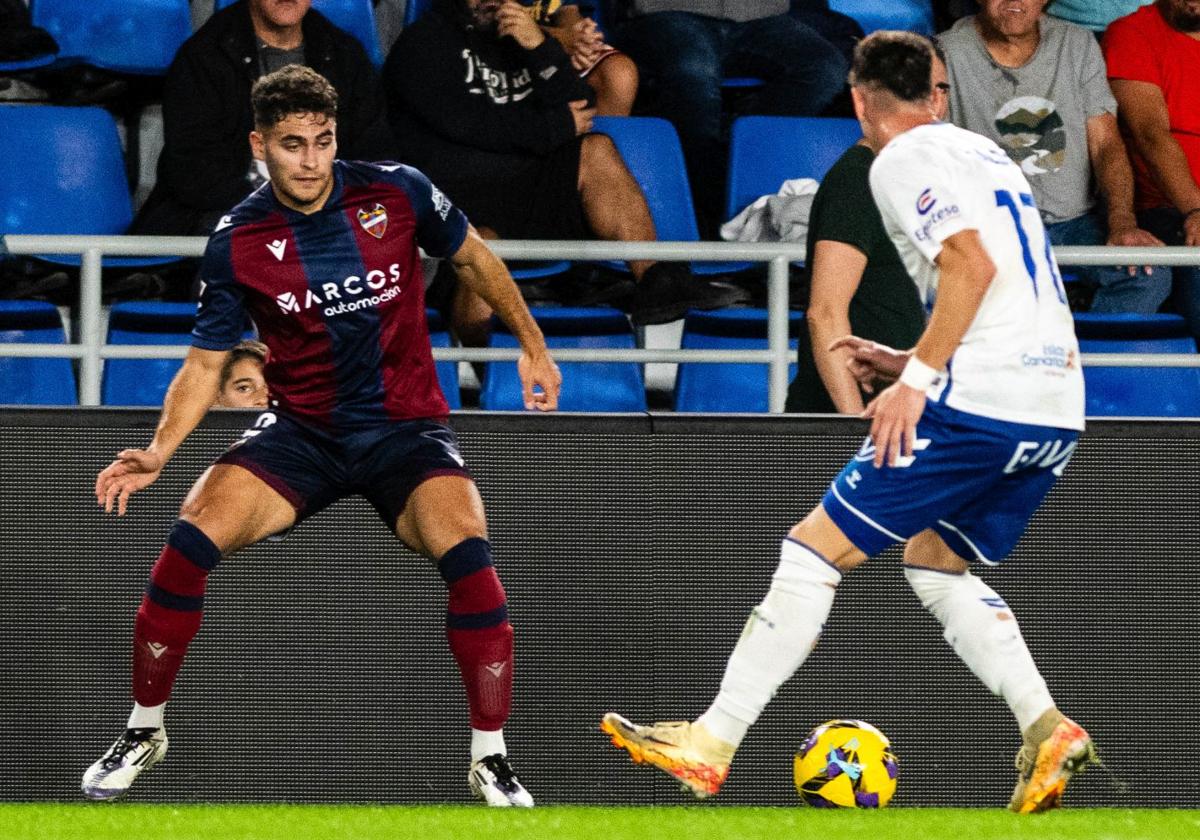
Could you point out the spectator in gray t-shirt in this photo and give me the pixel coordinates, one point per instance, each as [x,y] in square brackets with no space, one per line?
[684,48]
[1038,87]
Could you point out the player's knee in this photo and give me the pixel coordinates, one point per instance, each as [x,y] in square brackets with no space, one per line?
[477,598]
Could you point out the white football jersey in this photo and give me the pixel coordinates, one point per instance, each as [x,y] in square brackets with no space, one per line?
[1019,360]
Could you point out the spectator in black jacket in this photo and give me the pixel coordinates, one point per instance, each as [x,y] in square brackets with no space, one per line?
[491,109]
[205,167]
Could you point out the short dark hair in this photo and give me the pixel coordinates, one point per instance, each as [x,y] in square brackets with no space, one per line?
[897,62]
[294,89]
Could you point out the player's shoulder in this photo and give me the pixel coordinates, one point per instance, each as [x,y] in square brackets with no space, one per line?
[936,147]
[254,208]
[382,173]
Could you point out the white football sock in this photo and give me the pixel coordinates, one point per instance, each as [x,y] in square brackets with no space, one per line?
[485,743]
[778,637]
[983,632]
[144,716]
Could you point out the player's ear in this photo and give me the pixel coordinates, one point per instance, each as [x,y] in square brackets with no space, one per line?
[258,145]
[859,102]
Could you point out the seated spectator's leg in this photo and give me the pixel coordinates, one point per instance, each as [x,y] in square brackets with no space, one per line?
[613,203]
[802,70]
[1116,289]
[680,55]
[615,80]
[1167,224]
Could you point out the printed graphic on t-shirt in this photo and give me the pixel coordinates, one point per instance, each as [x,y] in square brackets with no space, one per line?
[1032,132]
[501,87]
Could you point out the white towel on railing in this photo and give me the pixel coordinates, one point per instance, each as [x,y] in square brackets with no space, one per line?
[782,217]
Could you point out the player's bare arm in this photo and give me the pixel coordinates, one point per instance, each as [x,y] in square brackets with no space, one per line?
[966,272]
[485,275]
[192,393]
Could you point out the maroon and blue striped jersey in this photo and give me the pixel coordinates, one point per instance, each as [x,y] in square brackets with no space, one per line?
[338,296]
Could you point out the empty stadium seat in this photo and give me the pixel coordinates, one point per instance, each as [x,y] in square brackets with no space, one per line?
[766,151]
[586,386]
[144,381]
[913,15]
[1138,391]
[447,372]
[63,172]
[651,150]
[728,387]
[356,17]
[126,36]
[33,381]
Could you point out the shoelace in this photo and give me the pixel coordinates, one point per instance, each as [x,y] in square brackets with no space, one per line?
[506,779]
[130,739]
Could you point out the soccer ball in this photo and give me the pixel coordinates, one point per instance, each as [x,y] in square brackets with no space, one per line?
[846,764]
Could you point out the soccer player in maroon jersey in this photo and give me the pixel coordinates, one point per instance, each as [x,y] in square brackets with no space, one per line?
[325,261]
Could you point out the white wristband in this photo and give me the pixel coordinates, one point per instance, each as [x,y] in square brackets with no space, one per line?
[917,374]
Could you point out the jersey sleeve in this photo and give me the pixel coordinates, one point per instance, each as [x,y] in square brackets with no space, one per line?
[1128,53]
[221,314]
[919,193]
[441,227]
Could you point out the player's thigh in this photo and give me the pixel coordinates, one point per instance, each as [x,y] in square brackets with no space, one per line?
[987,528]
[235,508]
[927,550]
[820,533]
[442,512]
[876,507]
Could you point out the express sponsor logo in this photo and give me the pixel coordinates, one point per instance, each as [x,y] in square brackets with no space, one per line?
[934,218]
[350,294]
[925,201]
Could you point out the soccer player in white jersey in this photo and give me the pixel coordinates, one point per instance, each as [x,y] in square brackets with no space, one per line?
[983,417]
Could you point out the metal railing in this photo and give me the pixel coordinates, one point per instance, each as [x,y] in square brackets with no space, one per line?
[91,348]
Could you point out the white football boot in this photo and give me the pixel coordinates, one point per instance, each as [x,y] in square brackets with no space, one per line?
[135,751]
[492,779]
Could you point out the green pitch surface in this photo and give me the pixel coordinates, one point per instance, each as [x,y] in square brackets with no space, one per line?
[360,822]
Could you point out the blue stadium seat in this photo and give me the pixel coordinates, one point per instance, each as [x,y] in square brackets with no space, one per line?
[63,172]
[766,151]
[447,372]
[711,387]
[34,381]
[1138,391]
[913,15]
[586,386]
[356,17]
[651,150]
[126,36]
[144,381]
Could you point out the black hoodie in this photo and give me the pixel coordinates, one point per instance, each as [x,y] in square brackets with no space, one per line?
[462,103]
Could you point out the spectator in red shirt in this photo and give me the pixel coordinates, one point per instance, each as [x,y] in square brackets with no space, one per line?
[1153,60]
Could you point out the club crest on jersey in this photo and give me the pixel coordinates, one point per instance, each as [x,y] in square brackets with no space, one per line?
[925,201]
[373,221]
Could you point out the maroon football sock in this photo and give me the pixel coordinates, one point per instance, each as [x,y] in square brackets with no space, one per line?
[170,612]
[477,628]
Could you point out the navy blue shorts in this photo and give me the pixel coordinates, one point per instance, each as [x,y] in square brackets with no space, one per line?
[973,480]
[312,470]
